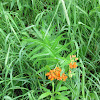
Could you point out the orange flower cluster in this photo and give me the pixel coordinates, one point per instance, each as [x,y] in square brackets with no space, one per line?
[73,64]
[55,74]
[73,57]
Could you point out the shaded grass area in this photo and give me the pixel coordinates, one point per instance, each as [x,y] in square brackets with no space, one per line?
[36,35]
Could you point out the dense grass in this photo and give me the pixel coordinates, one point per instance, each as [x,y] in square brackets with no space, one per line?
[37,35]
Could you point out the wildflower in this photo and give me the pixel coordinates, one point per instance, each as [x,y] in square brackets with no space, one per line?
[55,74]
[72,65]
[73,57]
[64,77]
[76,58]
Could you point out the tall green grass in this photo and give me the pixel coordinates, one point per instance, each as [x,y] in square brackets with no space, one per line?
[37,35]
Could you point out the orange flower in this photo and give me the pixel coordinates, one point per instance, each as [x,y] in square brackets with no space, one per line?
[72,65]
[64,77]
[73,57]
[76,58]
[47,74]
[55,74]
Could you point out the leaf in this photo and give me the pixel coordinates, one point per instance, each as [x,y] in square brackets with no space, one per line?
[38,18]
[66,13]
[12,4]
[63,70]
[90,28]
[96,95]
[34,51]
[45,89]
[65,92]
[84,12]
[19,5]
[63,47]
[7,56]
[38,34]
[60,97]
[57,40]
[58,86]
[94,10]
[39,55]
[52,98]
[47,68]
[63,88]
[44,95]
[42,70]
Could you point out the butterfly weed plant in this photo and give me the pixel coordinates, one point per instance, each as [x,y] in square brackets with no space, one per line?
[49,49]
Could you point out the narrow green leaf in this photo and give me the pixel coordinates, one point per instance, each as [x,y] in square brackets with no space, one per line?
[44,89]
[40,55]
[60,97]
[7,56]
[58,86]
[84,12]
[44,95]
[63,88]
[66,13]
[42,70]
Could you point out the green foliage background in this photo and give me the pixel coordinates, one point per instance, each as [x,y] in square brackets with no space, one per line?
[37,35]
